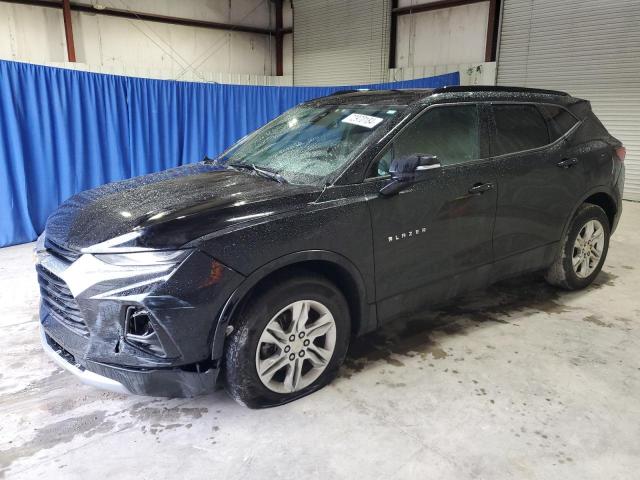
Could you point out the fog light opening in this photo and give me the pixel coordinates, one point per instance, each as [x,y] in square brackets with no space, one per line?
[139,331]
[139,324]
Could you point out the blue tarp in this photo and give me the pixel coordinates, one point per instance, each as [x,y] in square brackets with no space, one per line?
[64,131]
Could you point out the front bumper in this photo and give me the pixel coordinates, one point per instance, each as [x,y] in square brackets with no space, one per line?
[66,362]
[183,302]
[159,382]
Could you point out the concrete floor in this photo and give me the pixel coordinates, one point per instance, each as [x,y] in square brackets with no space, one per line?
[518,382]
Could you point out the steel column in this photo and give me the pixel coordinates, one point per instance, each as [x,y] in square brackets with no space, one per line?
[279,39]
[68,31]
[492,31]
[393,35]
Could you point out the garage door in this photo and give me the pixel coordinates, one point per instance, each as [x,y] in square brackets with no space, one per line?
[340,43]
[589,48]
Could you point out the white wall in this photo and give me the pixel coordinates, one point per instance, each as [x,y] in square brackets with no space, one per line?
[470,73]
[287,55]
[31,34]
[455,35]
[134,47]
[427,41]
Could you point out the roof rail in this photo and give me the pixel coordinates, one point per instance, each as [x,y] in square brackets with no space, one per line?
[492,88]
[344,92]
[340,92]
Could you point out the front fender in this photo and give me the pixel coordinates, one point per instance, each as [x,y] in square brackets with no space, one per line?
[367,322]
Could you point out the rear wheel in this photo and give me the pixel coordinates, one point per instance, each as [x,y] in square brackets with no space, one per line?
[583,250]
[287,342]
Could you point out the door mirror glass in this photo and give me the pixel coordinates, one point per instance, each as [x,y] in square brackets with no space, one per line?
[407,170]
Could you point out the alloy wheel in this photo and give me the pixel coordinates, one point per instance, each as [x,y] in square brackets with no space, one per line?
[588,248]
[296,346]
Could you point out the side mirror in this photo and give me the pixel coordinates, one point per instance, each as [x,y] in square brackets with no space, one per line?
[407,170]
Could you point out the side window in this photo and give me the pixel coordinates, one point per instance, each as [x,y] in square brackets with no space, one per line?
[518,128]
[450,133]
[560,121]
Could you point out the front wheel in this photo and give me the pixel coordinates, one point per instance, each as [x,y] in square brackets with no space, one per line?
[287,342]
[583,250]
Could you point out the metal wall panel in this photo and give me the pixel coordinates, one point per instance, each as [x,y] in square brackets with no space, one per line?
[340,43]
[447,35]
[589,48]
[36,35]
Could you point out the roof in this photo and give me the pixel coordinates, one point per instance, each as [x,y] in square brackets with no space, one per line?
[409,96]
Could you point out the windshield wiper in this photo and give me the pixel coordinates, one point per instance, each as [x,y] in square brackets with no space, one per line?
[263,172]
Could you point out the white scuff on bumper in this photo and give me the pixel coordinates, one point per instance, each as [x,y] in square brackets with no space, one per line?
[84,375]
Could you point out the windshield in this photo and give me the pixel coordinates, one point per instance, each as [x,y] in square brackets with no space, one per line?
[307,144]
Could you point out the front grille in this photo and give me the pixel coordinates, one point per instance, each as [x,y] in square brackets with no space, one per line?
[60,302]
[59,349]
[61,252]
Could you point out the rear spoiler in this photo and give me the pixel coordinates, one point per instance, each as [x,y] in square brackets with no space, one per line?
[582,109]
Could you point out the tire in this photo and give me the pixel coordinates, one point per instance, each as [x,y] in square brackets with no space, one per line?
[250,346]
[562,272]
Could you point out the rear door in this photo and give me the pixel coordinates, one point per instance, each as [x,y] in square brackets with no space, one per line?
[540,180]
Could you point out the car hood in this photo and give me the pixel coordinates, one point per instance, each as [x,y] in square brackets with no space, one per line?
[173,207]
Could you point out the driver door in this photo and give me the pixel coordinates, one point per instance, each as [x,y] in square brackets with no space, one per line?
[433,240]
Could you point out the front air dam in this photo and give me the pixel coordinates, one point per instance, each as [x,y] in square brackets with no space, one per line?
[169,382]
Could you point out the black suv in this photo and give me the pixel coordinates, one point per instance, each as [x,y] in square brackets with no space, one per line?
[336,217]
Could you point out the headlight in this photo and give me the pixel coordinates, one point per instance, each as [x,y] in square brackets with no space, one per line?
[38,249]
[159,257]
[40,243]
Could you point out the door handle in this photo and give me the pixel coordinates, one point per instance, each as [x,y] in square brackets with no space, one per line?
[480,188]
[568,162]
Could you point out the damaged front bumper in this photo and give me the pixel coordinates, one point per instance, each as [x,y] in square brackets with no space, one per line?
[85,317]
[67,362]
[155,382]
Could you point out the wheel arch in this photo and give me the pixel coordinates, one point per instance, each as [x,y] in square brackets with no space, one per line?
[602,197]
[336,268]
[607,203]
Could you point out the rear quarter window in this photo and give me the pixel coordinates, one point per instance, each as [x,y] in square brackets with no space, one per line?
[518,128]
[559,120]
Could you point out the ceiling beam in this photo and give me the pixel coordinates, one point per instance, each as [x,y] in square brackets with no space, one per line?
[428,7]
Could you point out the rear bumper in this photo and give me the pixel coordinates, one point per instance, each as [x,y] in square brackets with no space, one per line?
[619,191]
[169,382]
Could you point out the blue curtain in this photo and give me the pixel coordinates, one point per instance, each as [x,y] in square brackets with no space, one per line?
[64,131]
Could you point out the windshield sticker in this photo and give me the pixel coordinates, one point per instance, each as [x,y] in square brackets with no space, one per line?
[366,121]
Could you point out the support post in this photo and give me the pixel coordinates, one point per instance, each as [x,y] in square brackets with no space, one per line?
[492,32]
[68,30]
[393,34]
[279,40]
